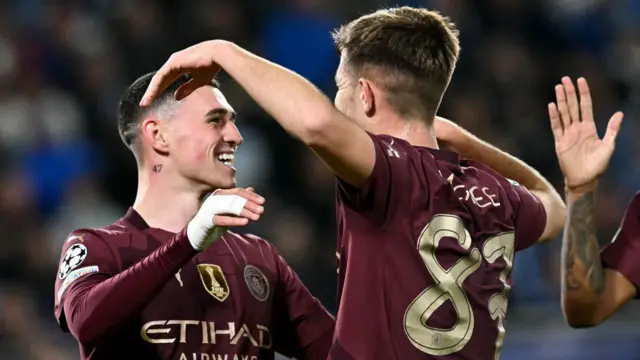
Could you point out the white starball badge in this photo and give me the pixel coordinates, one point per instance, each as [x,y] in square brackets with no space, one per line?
[74,256]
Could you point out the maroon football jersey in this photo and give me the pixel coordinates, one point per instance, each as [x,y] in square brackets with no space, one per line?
[425,250]
[623,254]
[236,300]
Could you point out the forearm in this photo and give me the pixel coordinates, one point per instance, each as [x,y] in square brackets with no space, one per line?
[95,308]
[583,279]
[509,166]
[295,103]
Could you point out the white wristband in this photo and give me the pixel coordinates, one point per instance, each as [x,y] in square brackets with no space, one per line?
[201,230]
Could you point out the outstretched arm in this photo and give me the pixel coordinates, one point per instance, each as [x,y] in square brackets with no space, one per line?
[590,292]
[509,166]
[298,106]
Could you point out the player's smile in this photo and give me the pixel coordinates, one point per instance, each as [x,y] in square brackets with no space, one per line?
[226,159]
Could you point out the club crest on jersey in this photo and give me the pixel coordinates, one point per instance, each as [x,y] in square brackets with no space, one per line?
[74,256]
[256,282]
[214,281]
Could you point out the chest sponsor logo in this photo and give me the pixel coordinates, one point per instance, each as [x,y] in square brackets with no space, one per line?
[74,256]
[206,332]
[214,281]
[257,282]
[73,276]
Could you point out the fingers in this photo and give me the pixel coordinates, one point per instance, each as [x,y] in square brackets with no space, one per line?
[252,211]
[186,89]
[168,73]
[229,221]
[556,123]
[563,108]
[572,99]
[250,195]
[190,86]
[586,107]
[613,128]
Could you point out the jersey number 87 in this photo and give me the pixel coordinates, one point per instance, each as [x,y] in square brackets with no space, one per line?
[448,286]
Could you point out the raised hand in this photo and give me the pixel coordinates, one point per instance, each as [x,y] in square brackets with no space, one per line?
[582,154]
[223,209]
[196,61]
[251,211]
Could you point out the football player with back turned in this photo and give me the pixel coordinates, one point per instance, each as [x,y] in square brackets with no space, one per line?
[166,281]
[426,239]
[595,284]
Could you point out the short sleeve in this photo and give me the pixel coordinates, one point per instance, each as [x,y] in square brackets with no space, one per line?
[623,254]
[304,327]
[86,257]
[389,172]
[530,215]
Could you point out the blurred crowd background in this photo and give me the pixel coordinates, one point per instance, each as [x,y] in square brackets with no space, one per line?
[64,64]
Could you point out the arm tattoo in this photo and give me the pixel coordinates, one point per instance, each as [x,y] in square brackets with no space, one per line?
[581,253]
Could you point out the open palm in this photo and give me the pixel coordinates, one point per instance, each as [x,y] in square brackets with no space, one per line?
[582,154]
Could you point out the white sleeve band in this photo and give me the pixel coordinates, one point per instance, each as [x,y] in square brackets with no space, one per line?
[201,230]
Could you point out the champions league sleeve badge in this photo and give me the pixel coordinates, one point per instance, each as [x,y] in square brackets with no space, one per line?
[74,256]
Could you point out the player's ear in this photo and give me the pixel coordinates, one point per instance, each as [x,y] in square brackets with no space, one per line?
[154,134]
[367,96]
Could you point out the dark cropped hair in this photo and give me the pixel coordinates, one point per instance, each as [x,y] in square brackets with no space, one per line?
[130,113]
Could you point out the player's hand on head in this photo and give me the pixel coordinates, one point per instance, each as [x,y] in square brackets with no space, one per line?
[582,154]
[223,209]
[196,61]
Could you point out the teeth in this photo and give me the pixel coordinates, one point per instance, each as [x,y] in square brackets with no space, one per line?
[226,158]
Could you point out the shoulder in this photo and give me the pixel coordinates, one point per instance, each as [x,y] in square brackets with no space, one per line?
[511,186]
[631,219]
[392,146]
[257,249]
[635,201]
[105,234]
[249,240]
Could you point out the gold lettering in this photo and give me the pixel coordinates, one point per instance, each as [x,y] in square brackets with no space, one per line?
[213,332]
[205,356]
[235,332]
[205,333]
[147,330]
[244,331]
[183,327]
[264,336]
[476,198]
[458,187]
[485,191]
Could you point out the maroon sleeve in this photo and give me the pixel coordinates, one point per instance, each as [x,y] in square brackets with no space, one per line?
[623,254]
[304,328]
[389,172]
[93,297]
[530,215]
